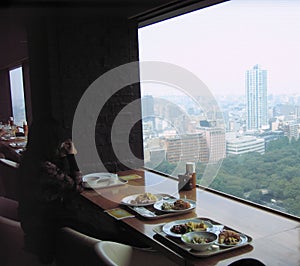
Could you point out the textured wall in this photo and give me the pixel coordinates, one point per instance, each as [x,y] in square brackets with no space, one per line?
[67,53]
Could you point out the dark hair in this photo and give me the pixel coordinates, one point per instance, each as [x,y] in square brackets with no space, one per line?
[45,136]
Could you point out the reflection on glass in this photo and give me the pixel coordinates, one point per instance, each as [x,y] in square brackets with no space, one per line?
[246,52]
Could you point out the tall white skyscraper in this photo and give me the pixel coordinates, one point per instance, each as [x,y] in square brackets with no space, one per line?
[256,92]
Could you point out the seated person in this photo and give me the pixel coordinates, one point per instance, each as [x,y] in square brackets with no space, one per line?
[6,151]
[49,179]
[49,193]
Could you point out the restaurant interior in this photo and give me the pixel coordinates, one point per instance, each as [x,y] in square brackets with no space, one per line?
[63,47]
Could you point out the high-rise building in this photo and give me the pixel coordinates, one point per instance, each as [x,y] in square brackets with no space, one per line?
[148,110]
[256,95]
[297,111]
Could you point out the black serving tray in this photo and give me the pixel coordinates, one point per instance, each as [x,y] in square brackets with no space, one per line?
[149,212]
[175,243]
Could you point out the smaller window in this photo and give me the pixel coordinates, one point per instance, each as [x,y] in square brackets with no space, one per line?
[17,95]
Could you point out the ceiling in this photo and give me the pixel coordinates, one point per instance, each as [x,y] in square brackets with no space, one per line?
[14,12]
[126,7]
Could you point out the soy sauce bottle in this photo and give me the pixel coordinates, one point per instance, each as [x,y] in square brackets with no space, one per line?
[188,180]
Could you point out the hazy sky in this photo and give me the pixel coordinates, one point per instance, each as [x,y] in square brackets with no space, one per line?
[221,42]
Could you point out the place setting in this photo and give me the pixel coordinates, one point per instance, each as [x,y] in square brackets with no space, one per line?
[200,237]
[156,206]
[102,180]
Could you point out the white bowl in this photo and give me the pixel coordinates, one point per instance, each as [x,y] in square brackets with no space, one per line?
[199,241]
[92,179]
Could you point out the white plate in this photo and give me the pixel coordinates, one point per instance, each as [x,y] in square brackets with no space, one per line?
[167,227]
[18,144]
[9,162]
[127,200]
[243,240]
[159,204]
[101,180]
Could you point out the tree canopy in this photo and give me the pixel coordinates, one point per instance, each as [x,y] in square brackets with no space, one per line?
[271,179]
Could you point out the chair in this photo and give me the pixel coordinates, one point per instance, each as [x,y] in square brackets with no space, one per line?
[8,178]
[11,245]
[117,254]
[9,208]
[12,237]
[75,249]
[247,262]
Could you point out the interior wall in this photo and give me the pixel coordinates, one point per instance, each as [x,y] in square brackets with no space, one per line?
[13,45]
[13,51]
[67,53]
[5,105]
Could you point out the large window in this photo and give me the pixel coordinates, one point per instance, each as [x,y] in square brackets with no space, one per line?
[244,138]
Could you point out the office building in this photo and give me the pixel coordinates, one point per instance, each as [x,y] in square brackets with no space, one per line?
[291,130]
[188,147]
[215,139]
[245,144]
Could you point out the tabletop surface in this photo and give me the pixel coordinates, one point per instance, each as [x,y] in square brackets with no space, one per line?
[275,237]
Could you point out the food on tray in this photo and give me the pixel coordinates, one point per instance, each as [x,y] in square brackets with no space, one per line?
[181,205]
[144,199]
[180,229]
[197,226]
[199,240]
[177,205]
[167,206]
[229,237]
[188,227]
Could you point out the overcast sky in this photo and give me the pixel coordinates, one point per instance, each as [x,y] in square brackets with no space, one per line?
[221,42]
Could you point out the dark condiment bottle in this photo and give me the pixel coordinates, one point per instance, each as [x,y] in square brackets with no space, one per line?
[188,180]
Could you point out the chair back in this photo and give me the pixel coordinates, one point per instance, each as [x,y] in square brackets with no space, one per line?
[9,208]
[12,237]
[114,254]
[118,254]
[8,179]
[75,248]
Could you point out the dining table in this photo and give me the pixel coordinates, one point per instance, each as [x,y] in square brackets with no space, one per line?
[271,237]
[17,143]
[13,147]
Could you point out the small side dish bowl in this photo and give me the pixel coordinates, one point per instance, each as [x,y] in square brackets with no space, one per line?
[199,241]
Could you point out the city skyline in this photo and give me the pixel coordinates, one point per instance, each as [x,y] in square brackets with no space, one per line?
[221,42]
